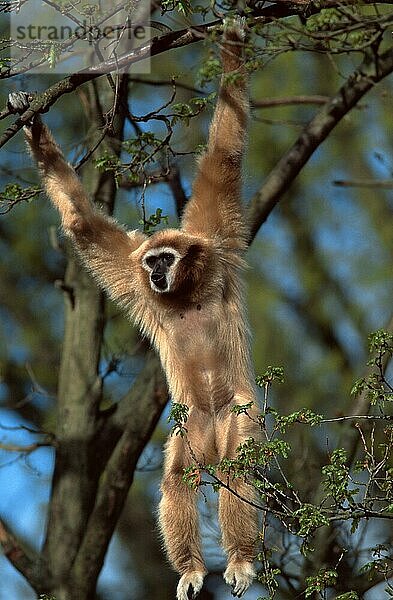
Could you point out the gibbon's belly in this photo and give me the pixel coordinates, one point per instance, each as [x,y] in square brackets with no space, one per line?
[209,389]
[197,342]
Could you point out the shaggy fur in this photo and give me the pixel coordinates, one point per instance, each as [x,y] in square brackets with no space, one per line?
[198,326]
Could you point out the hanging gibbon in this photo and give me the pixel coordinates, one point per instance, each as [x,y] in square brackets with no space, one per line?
[184,289]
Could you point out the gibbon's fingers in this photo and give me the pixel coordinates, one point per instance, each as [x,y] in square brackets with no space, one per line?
[235,27]
[19,102]
[239,576]
[232,51]
[189,586]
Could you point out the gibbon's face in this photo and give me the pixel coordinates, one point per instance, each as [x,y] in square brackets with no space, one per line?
[160,263]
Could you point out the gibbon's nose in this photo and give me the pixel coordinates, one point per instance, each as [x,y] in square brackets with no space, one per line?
[159,280]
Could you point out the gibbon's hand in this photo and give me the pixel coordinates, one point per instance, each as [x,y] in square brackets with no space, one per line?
[237,25]
[18,103]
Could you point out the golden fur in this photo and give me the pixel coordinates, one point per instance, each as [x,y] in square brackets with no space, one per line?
[198,326]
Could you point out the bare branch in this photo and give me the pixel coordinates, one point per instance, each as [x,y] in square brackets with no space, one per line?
[386,184]
[289,100]
[25,449]
[25,562]
[167,82]
[371,71]
[179,195]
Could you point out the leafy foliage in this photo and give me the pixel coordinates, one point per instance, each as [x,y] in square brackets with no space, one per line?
[376,387]
[179,414]
[184,111]
[271,375]
[153,221]
[336,478]
[14,193]
[182,6]
[141,151]
[342,498]
[321,581]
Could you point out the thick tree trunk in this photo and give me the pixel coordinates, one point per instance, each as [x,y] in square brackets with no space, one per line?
[83,444]
[79,395]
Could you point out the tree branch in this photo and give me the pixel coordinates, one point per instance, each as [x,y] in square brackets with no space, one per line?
[25,562]
[178,193]
[42,102]
[158,45]
[141,412]
[289,100]
[25,449]
[383,184]
[371,71]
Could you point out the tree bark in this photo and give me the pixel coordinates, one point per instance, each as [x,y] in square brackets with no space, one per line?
[76,471]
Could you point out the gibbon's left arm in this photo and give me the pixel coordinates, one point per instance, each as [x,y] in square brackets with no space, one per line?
[103,245]
[215,206]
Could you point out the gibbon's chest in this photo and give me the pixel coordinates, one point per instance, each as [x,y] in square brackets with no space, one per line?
[194,330]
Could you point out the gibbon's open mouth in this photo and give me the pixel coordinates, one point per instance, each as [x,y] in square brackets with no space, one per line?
[159,281]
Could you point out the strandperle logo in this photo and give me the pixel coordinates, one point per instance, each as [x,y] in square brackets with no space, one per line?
[84,31]
[66,37]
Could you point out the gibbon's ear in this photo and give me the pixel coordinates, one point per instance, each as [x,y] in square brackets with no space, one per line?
[196,252]
[192,271]
[198,257]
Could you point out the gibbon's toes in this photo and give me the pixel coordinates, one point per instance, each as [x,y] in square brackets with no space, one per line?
[239,576]
[18,102]
[190,585]
[191,593]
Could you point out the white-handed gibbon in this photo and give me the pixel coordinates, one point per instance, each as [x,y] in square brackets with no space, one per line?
[184,290]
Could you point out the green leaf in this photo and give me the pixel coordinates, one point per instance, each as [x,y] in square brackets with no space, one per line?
[310,518]
[336,477]
[318,583]
[179,414]
[242,409]
[271,374]
[53,54]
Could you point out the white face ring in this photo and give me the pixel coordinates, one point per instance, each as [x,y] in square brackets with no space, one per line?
[171,271]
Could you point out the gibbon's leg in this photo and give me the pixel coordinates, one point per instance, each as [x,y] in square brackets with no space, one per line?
[215,206]
[178,519]
[178,514]
[104,246]
[238,519]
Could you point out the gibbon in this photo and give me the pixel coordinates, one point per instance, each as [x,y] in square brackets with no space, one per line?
[184,290]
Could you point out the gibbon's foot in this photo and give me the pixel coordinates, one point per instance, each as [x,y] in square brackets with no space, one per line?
[190,585]
[19,102]
[239,575]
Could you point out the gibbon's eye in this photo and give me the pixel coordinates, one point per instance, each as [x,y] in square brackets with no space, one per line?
[168,257]
[151,261]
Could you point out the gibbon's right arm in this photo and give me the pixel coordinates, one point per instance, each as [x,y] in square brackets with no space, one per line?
[215,206]
[102,244]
